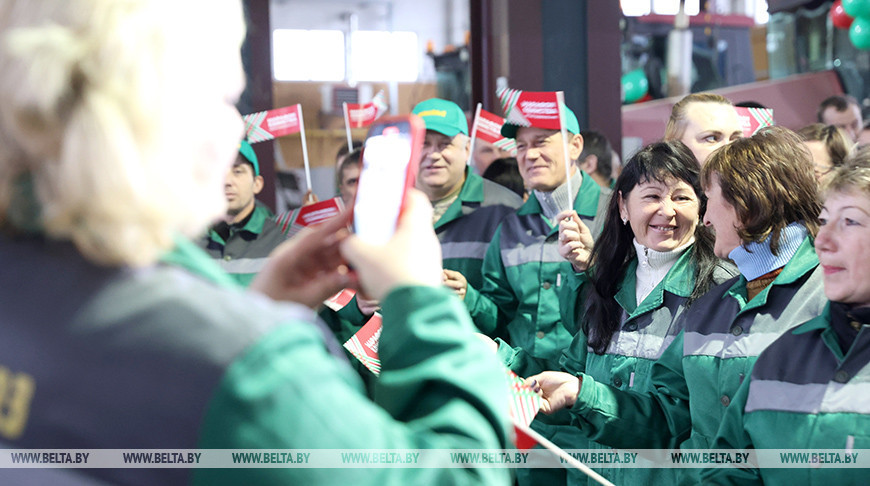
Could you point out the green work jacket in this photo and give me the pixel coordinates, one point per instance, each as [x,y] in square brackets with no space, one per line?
[805,392]
[174,356]
[244,253]
[467,227]
[523,274]
[697,375]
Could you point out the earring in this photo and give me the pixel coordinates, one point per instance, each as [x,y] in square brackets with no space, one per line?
[624,220]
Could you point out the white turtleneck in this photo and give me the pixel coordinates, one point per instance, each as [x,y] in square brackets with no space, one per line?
[652,266]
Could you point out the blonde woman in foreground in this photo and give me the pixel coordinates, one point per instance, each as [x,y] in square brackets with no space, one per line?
[107,348]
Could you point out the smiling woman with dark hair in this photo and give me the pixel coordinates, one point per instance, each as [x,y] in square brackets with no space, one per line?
[763,207]
[653,259]
[652,220]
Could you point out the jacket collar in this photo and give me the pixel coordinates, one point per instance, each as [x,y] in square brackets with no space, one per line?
[585,203]
[803,261]
[255,223]
[678,281]
[471,192]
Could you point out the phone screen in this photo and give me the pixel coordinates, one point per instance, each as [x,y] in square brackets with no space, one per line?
[382,182]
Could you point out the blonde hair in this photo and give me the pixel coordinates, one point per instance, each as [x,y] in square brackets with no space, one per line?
[677,122]
[837,142]
[853,175]
[122,117]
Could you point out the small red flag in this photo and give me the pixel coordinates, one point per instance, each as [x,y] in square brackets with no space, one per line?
[267,125]
[363,114]
[530,108]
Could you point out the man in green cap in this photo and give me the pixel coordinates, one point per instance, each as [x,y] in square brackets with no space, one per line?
[523,272]
[241,243]
[467,207]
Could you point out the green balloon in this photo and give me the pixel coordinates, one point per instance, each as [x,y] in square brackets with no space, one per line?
[857,8]
[859,33]
[634,86]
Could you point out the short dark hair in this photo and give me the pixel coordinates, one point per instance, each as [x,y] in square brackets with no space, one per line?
[506,172]
[595,143]
[838,102]
[353,158]
[344,150]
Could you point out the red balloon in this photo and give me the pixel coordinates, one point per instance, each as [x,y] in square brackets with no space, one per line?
[646,97]
[839,17]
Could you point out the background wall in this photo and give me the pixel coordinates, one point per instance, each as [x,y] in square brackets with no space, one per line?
[437,23]
[443,22]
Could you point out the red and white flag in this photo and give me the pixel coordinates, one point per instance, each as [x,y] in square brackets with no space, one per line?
[525,403]
[293,221]
[360,115]
[364,344]
[530,108]
[268,125]
[339,300]
[754,119]
[488,128]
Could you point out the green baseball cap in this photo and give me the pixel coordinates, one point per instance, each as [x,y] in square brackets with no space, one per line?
[248,153]
[442,116]
[509,130]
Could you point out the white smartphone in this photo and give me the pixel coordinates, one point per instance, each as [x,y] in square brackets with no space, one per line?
[390,158]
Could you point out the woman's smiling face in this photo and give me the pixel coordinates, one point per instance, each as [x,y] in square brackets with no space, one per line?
[663,215]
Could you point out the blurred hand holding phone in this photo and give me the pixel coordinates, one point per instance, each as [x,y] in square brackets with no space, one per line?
[390,159]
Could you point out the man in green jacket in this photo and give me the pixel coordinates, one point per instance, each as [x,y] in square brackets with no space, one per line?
[467,207]
[241,243]
[523,271]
